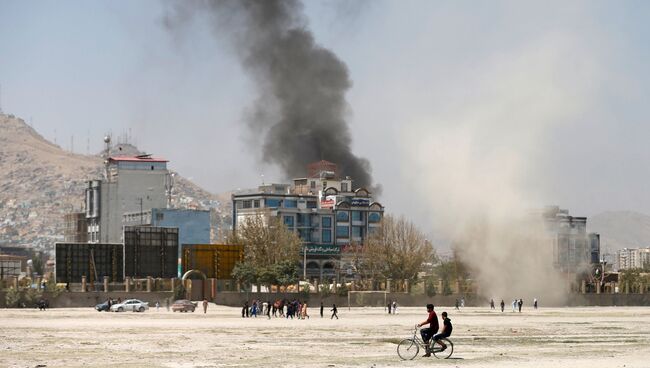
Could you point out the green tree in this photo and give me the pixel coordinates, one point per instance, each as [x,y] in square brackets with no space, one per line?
[244,273]
[430,286]
[271,252]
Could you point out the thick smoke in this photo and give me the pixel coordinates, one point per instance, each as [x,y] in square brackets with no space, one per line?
[301,109]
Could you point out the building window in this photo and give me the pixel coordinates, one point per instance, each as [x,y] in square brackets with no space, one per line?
[272,202]
[303,219]
[312,204]
[312,184]
[357,231]
[247,204]
[256,203]
[342,216]
[288,221]
[342,232]
[327,236]
[344,187]
[327,222]
[305,235]
[374,217]
[357,216]
[290,203]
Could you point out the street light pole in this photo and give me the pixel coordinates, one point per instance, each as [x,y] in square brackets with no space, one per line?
[304,262]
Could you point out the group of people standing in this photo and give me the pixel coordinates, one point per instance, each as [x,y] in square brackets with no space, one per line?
[516,304]
[282,308]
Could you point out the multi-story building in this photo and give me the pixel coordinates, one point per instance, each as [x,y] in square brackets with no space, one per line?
[573,249]
[628,258]
[131,184]
[323,209]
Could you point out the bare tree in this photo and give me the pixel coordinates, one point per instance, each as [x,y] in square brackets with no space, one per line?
[397,250]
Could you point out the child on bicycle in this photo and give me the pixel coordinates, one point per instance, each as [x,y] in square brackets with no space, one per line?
[446,332]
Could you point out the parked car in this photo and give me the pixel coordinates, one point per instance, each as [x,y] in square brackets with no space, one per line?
[183,305]
[134,305]
[103,307]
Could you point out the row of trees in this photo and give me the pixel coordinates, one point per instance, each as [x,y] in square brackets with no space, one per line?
[397,250]
[271,252]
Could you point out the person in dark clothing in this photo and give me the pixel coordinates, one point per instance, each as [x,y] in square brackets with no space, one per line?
[244,310]
[520,303]
[446,332]
[432,320]
[491,303]
[503,305]
[321,309]
[390,303]
[268,309]
[457,304]
[334,310]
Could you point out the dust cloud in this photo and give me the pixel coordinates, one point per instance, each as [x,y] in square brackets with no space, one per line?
[478,162]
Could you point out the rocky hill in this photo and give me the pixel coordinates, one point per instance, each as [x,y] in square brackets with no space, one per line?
[621,229]
[41,182]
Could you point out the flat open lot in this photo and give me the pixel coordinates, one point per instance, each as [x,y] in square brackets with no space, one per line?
[362,337]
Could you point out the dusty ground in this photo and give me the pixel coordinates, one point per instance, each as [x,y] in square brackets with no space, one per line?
[362,337]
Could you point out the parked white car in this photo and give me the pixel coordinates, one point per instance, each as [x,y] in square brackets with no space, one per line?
[133,305]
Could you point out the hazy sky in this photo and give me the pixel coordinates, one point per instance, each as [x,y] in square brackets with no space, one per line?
[549,101]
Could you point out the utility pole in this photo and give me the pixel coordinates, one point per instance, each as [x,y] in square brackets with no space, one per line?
[304,262]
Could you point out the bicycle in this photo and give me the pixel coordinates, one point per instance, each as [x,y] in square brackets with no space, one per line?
[408,349]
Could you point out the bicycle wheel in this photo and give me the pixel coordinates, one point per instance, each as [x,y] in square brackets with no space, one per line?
[408,349]
[443,354]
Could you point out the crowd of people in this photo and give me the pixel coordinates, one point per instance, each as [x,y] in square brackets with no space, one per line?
[517,304]
[282,308]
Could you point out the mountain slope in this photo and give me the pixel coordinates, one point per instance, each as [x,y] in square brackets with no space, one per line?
[41,182]
[620,229]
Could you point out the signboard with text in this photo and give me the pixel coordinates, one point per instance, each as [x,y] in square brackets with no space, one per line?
[322,249]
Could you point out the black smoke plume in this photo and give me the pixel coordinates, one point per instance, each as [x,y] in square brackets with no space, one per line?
[301,108]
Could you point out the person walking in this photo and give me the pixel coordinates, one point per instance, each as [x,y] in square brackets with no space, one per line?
[520,303]
[304,311]
[244,310]
[457,304]
[535,303]
[389,306]
[268,309]
[167,304]
[157,306]
[334,310]
[491,303]
[205,305]
[514,305]
[394,307]
[321,309]
[503,304]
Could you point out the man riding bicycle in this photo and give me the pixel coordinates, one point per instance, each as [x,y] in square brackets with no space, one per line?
[426,333]
[446,332]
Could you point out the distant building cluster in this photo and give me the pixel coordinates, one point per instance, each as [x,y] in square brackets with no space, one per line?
[574,249]
[129,207]
[326,211]
[628,258]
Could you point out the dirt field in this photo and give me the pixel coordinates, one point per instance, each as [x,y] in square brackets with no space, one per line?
[362,337]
